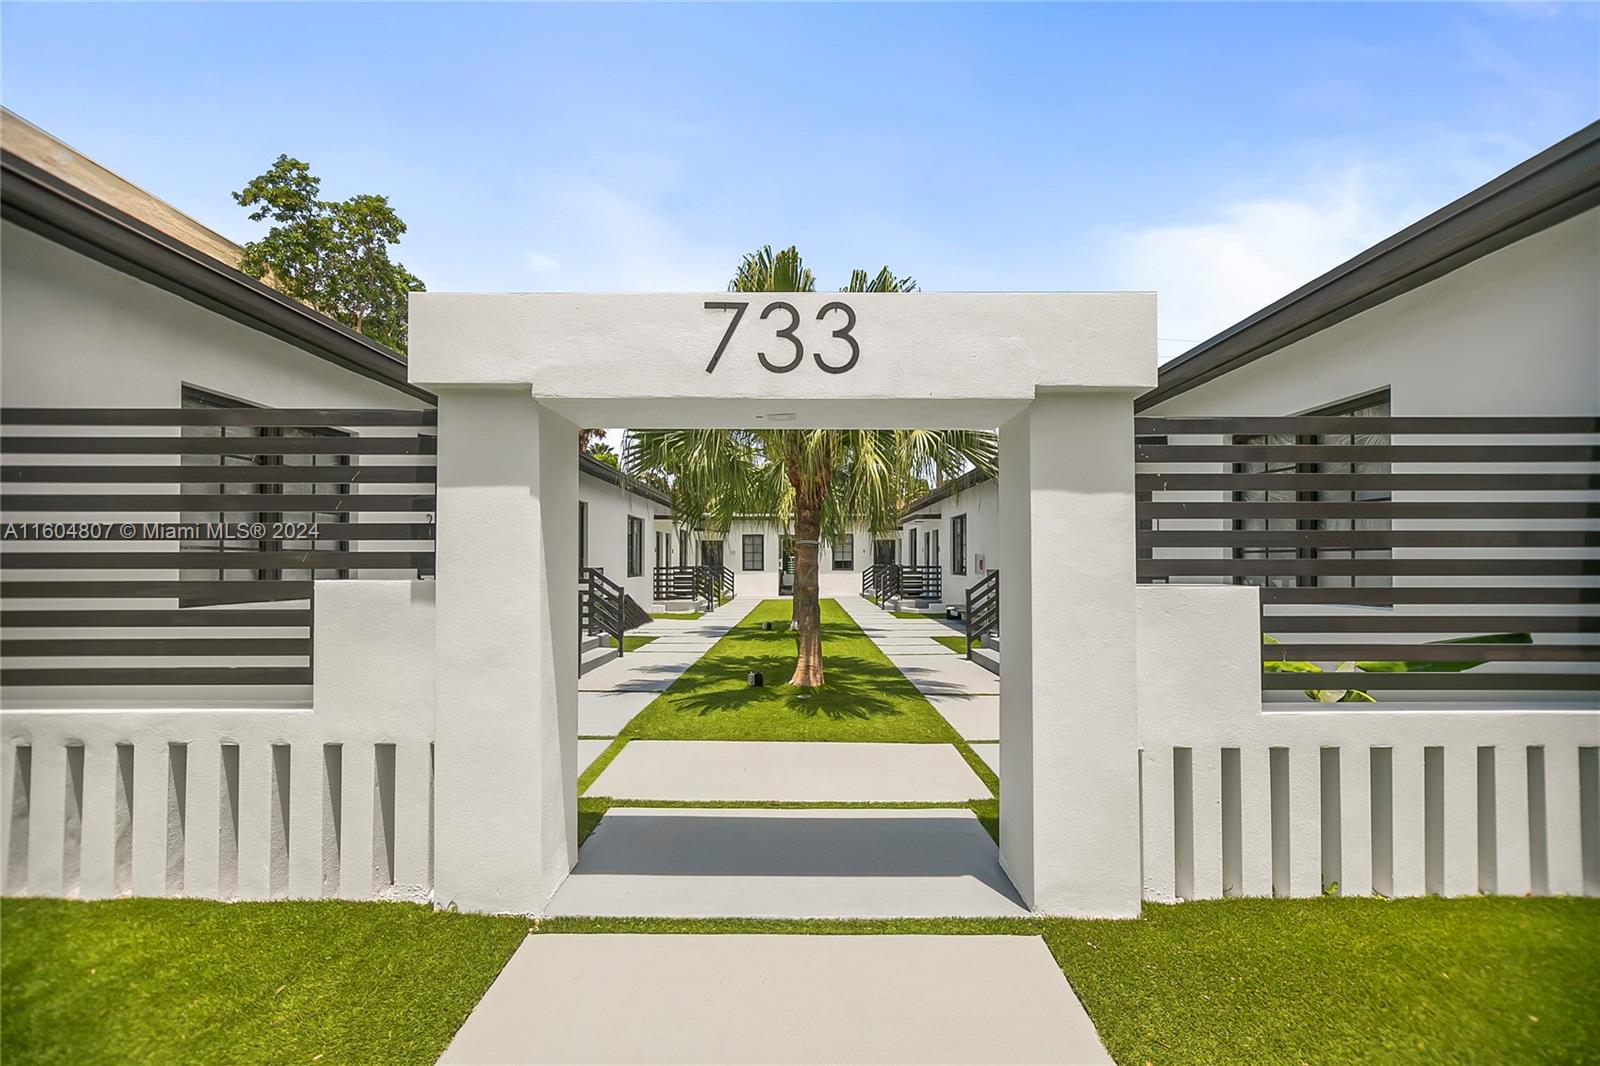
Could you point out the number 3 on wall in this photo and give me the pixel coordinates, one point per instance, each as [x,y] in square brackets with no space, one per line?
[788,333]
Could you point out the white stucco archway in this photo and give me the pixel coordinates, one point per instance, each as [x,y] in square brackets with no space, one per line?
[517,374]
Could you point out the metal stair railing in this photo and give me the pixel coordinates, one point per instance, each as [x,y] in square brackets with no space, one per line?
[600,605]
[983,608]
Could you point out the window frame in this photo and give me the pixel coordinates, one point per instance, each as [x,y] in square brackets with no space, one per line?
[759,540]
[958,544]
[847,561]
[1348,407]
[635,546]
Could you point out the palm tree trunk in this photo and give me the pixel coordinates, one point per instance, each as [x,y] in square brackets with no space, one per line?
[807,607]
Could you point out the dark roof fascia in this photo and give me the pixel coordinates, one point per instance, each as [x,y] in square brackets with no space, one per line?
[588,464]
[1560,182]
[949,488]
[41,202]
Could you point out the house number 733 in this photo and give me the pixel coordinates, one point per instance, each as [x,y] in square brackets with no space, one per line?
[789,333]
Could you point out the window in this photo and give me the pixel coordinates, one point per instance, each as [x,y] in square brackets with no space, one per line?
[911,547]
[754,555]
[660,536]
[635,546]
[844,552]
[1369,406]
[583,537]
[786,553]
[958,544]
[261,510]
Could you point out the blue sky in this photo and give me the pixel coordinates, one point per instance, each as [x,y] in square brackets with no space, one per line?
[1219,154]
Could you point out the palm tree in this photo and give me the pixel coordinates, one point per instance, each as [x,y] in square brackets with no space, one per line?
[823,480]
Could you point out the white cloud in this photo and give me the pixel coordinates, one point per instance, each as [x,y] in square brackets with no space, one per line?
[541,263]
[617,222]
[1211,272]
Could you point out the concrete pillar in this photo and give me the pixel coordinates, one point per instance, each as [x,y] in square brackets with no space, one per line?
[506,689]
[1069,752]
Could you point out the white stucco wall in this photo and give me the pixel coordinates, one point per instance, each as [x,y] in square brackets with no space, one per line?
[1242,799]
[981,505]
[609,508]
[76,333]
[764,582]
[1514,333]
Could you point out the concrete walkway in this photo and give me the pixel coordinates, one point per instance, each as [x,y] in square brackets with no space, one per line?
[788,772]
[736,862]
[610,695]
[778,999]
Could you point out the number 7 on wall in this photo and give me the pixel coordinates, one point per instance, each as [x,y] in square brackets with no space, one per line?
[739,307]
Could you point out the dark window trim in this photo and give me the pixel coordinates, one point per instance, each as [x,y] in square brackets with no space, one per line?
[759,540]
[846,561]
[958,544]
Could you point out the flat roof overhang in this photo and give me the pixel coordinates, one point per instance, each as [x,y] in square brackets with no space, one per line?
[949,360]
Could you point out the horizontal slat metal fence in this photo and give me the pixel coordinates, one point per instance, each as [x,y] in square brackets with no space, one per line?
[179,547]
[1411,554]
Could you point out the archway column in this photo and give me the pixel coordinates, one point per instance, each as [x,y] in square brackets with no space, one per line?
[506,681]
[1069,753]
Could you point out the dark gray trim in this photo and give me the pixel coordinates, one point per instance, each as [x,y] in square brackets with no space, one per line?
[1553,186]
[41,202]
[588,464]
[949,488]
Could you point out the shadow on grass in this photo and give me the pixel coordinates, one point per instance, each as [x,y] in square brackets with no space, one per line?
[855,685]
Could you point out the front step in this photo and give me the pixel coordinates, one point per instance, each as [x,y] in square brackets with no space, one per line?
[988,658]
[596,657]
[592,641]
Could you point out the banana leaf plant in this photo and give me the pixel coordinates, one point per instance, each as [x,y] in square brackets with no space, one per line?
[1391,666]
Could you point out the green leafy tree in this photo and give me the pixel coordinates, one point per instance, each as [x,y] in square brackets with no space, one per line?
[821,480]
[605,453]
[330,254]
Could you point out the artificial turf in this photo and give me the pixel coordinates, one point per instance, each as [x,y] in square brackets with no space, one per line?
[1484,979]
[863,697]
[156,981]
[958,644]
[680,616]
[631,642]
[1487,979]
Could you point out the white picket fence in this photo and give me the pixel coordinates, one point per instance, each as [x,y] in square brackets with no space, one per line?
[1239,800]
[333,800]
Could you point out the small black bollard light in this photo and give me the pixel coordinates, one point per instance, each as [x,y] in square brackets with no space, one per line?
[767,626]
[756,680]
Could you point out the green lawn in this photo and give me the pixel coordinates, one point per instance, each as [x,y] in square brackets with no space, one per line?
[1302,981]
[911,614]
[194,981]
[959,644]
[681,616]
[630,642]
[864,698]
[1322,980]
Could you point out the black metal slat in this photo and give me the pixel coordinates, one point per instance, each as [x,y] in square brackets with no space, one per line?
[1370,538]
[253,474]
[128,533]
[1471,679]
[224,503]
[1431,623]
[233,416]
[134,619]
[1450,594]
[1344,424]
[1407,509]
[176,445]
[1356,453]
[239,591]
[1406,567]
[1233,482]
[286,559]
[95,646]
[1435,653]
[30,677]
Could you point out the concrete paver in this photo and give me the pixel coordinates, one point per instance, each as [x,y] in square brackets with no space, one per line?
[701,770]
[603,714]
[975,717]
[772,999]
[589,751]
[785,863]
[989,753]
